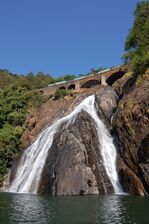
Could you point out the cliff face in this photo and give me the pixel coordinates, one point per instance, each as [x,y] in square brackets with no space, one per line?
[131,126]
[74,164]
[43,116]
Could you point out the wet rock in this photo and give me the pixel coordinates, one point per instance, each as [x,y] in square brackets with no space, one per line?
[143,152]
[129,180]
[143,168]
[106,99]
[41,117]
[74,165]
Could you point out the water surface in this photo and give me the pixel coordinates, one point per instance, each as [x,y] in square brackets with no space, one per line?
[115,209]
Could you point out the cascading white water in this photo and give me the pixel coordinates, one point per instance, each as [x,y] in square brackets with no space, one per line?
[33,159]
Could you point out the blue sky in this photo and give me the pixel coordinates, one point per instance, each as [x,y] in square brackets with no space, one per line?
[62,37]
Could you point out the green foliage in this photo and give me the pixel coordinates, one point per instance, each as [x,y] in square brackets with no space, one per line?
[9,146]
[55,80]
[69,77]
[35,99]
[64,78]
[17,96]
[137,41]
[6,78]
[60,93]
[39,80]
[16,118]
[30,81]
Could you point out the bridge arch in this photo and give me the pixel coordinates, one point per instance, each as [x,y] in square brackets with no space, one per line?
[90,83]
[72,86]
[115,76]
[62,87]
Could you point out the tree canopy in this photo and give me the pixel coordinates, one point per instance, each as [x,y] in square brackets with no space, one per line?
[17,96]
[137,41]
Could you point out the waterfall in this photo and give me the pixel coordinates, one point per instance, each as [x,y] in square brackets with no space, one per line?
[33,158]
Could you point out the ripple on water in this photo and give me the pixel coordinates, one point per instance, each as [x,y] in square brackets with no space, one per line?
[115,209]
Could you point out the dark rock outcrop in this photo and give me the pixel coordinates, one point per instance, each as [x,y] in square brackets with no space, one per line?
[74,164]
[106,99]
[123,85]
[131,126]
[129,180]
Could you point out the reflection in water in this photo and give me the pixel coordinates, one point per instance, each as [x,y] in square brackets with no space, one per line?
[31,209]
[115,209]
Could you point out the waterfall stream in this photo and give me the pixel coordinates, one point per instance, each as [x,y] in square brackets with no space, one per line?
[33,158]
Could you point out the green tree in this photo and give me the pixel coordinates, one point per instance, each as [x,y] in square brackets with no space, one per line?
[17,96]
[69,77]
[137,41]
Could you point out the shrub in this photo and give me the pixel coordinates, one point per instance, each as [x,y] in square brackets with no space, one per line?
[60,93]
[16,118]
[15,101]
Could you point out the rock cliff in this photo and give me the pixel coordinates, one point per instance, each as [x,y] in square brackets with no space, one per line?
[74,165]
[131,127]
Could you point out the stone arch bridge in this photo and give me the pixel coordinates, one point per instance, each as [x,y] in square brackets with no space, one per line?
[105,77]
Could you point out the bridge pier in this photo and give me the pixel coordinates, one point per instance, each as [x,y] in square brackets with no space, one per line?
[77,85]
[103,80]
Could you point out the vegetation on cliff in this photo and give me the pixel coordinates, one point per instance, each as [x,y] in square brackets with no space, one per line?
[60,93]
[137,41]
[17,96]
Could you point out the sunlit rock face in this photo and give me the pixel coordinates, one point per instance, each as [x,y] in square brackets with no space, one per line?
[74,164]
[131,126]
[107,99]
